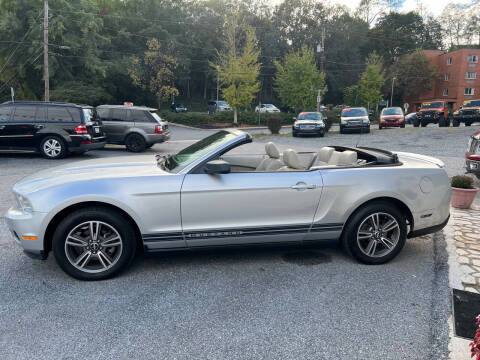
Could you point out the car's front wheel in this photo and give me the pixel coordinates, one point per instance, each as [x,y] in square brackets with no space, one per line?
[94,243]
[375,233]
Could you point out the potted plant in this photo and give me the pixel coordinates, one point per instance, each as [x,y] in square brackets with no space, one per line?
[463,191]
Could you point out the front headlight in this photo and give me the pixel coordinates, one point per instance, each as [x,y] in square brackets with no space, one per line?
[456,113]
[295,124]
[24,203]
[320,124]
[366,121]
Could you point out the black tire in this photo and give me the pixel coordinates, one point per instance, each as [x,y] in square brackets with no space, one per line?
[402,126]
[423,124]
[441,121]
[135,143]
[359,218]
[341,130]
[322,134]
[294,134]
[111,218]
[380,127]
[368,130]
[148,146]
[468,123]
[416,122]
[455,123]
[53,147]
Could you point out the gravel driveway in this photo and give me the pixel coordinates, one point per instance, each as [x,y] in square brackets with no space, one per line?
[267,303]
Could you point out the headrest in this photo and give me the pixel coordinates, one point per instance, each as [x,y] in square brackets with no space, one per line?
[291,159]
[272,150]
[347,157]
[325,153]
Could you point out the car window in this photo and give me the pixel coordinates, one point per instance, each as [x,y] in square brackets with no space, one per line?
[76,114]
[5,112]
[139,116]
[119,115]
[471,103]
[103,113]
[392,111]
[354,112]
[310,116]
[58,114]
[25,113]
[156,118]
[41,114]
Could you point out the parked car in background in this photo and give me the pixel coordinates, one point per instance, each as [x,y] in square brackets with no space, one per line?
[472,155]
[323,108]
[433,112]
[219,105]
[136,127]
[309,123]
[178,108]
[391,117]
[95,214]
[410,117]
[51,128]
[468,113]
[354,119]
[267,108]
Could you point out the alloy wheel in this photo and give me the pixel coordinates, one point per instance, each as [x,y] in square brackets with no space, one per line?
[378,234]
[52,147]
[93,246]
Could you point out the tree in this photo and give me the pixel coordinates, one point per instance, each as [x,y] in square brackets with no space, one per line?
[296,77]
[350,95]
[414,74]
[371,81]
[155,71]
[238,70]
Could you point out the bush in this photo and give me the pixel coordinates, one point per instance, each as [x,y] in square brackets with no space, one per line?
[462,182]
[475,344]
[274,124]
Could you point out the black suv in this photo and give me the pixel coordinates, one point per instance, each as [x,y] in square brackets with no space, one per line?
[53,129]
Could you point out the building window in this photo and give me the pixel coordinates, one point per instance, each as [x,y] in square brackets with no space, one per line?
[471,75]
[469,91]
[447,76]
[449,61]
[445,92]
[472,58]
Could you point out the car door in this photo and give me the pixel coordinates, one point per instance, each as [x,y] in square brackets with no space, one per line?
[5,113]
[249,207]
[21,129]
[115,124]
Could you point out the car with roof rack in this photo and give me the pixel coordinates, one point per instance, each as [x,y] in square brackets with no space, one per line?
[53,129]
[433,112]
[136,127]
[95,214]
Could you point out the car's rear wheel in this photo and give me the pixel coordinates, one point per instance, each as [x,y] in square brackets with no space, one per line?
[94,243]
[53,147]
[468,123]
[455,123]
[135,143]
[416,122]
[375,233]
[441,121]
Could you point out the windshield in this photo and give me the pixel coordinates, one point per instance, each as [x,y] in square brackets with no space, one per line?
[354,112]
[432,105]
[392,111]
[156,117]
[310,116]
[195,151]
[222,103]
[269,106]
[471,103]
[180,105]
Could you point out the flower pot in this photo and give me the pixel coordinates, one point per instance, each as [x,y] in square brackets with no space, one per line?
[463,198]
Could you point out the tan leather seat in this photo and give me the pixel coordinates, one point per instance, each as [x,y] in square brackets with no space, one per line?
[323,156]
[272,162]
[343,158]
[292,161]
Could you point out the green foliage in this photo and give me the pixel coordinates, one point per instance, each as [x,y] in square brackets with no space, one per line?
[81,93]
[238,73]
[414,74]
[350,95]
[154,72]
[296,77]
[462,182]
[371,82]
[274,124]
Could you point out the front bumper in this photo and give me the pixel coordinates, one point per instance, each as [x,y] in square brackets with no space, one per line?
[306,131]
[355,127]
[470,118]
[27,224]
[392,123]
[472,166]
[86,143]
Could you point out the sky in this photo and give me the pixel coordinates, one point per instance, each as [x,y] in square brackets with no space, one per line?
[435,7]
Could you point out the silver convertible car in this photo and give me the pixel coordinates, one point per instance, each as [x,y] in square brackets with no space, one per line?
[95,214]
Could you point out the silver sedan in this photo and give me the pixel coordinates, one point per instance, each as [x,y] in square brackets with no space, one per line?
[95,215]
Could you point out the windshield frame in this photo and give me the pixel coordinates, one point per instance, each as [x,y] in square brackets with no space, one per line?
[348,110]
[431,105]
[303,116]
[395,108]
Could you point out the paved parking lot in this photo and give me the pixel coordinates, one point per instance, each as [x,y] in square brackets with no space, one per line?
[269,303]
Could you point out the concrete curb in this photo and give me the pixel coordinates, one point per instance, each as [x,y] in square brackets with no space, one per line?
[230,128]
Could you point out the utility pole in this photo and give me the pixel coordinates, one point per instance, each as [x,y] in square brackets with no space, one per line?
[322,53]
[218,82]
[391,95]
[46,76]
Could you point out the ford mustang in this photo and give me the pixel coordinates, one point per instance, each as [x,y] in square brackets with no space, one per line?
[95,215]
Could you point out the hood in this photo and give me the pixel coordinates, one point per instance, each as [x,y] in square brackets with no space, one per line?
[354,118]
[104,168]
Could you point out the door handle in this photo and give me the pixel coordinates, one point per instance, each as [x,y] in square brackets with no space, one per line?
[38,126]
[303,186]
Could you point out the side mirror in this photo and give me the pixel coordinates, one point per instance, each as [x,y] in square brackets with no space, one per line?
[216,167]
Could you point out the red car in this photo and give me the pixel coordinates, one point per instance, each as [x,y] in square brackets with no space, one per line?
[472,155]
[391,117]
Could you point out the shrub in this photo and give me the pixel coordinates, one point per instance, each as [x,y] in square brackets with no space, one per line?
[462,182]
[475,344]
[274,124]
